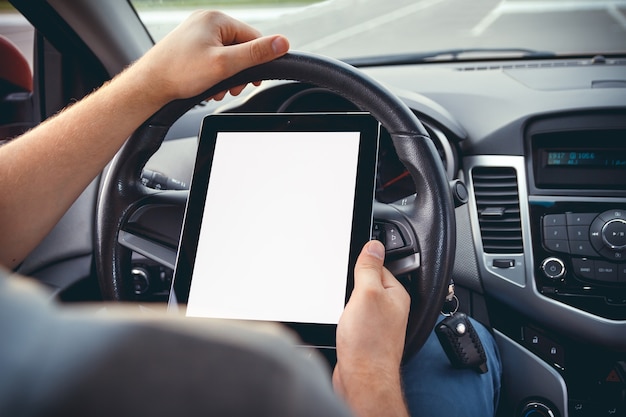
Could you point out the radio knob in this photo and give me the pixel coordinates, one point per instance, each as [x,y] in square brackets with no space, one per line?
[614,234]
[553,268]
[536,409]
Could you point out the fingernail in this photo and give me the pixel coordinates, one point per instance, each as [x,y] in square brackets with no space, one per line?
[280,45]
[376,249]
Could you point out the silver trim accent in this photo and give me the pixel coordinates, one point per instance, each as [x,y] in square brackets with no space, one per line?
[151,250]
[450,161]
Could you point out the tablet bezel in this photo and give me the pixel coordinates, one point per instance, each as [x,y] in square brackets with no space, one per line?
[312,334]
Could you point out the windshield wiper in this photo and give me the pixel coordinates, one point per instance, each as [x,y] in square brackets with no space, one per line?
[448,55]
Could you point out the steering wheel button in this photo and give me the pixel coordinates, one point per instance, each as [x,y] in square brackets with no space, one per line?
[393,238]
[378,232]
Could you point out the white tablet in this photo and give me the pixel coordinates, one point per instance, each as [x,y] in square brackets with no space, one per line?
[279,208]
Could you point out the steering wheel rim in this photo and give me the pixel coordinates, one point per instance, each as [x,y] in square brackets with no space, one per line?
[431,213]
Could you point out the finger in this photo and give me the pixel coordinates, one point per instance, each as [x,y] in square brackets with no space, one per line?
[368,270]
[234,31]
[219,96]
[257,51]
[235,91]
[336,379]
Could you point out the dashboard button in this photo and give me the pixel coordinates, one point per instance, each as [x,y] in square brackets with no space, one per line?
[613,214]
[621,273]
[504,263]
[581,248]
[584,268]
[580,219]
[606,271]
[557,245]
[578,232]
[554,220]
[617,256]
[553,268]
[579,408]
[595,233]
[555,232]
[544,347]
[614,234]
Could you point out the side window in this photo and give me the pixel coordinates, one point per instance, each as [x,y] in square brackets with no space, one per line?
[16,79]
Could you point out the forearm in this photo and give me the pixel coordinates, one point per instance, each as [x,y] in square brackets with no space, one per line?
[375,395]
[44,171]
[52,164]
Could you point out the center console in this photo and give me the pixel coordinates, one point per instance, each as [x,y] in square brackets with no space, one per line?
[577,213]
[550,228]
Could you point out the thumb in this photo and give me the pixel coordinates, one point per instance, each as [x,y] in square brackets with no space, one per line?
[368,270]
[258,51]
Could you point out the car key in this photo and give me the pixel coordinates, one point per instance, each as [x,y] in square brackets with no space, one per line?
[459,339]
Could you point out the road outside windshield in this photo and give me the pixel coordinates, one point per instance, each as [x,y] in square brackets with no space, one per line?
[362,28]
[357,28]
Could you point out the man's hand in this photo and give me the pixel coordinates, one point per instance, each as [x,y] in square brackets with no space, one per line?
[60,157]
[205,49]
[370,338]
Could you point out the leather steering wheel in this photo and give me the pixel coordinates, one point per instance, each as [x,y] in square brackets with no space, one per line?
[428,218]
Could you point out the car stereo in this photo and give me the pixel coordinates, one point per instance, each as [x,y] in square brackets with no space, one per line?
[578,218]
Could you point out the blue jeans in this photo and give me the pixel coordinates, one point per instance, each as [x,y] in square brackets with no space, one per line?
[434,388]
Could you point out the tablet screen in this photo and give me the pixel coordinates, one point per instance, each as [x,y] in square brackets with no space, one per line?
[279,208]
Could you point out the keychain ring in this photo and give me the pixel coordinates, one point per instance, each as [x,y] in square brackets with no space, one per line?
[456,306]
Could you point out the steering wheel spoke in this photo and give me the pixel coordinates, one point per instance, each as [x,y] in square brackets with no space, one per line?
[154,226]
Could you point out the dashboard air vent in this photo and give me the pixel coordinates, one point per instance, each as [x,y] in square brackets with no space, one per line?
[497,203]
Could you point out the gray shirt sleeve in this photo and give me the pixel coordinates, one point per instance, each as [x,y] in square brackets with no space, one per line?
[59,360]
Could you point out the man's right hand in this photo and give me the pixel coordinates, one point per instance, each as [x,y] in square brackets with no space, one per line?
[370,338]
[205,49]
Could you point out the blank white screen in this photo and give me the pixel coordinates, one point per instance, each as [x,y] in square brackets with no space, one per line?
[275,235]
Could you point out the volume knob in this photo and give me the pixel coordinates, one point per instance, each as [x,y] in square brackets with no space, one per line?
[553,268]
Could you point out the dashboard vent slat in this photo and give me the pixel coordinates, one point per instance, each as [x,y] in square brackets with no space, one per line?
[497,204]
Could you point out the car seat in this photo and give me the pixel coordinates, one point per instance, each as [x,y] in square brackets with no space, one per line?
[16,91]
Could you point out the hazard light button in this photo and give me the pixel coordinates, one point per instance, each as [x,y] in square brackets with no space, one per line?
[615,375]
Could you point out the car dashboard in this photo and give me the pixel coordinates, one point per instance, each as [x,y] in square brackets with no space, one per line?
[540,147]
[541,243]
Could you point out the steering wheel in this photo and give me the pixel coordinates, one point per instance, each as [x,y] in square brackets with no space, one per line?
[426,221]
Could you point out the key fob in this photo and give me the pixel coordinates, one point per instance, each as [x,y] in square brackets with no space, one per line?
[461,343]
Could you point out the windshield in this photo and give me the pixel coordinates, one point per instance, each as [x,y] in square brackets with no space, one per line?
[364,28]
